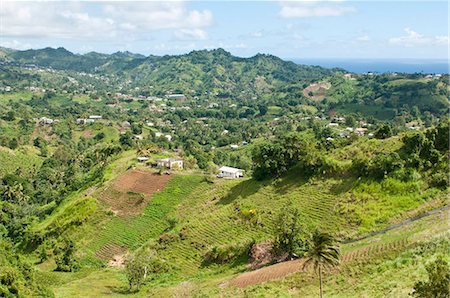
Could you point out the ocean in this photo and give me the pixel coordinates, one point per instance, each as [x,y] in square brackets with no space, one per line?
[428,66]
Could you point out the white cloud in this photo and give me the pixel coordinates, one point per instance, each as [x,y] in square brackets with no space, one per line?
[313,8]
[363,38]
[191,34]
[98,20]
[257,34]
[14,44]
[413,39]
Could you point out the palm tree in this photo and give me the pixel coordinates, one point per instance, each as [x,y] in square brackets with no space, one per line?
[323,252]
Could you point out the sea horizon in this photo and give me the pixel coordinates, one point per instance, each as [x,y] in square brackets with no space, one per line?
[358,65]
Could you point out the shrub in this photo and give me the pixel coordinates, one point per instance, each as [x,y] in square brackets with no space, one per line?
[438,281]
[227,253]
[439,180]
[65,256]
[289,236]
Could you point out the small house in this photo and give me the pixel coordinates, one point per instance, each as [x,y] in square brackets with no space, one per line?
[45,120]
[234,147]
[81,121]
[142,159]
[170,163]
[95,117]
[179,97]
[229,172]
[360,131]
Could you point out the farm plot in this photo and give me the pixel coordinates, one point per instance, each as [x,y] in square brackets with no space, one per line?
[128,194]
[121,234]
[317,90]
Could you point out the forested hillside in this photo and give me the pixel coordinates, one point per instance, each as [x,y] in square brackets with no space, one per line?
[88,208]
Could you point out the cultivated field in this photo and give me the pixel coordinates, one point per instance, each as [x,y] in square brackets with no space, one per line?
[128,194]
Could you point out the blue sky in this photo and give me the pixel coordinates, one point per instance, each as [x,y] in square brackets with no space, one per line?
[289,29]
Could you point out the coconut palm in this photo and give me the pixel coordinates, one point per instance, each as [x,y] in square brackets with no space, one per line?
[323,252]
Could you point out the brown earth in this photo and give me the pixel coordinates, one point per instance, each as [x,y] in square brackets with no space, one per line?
[87,134]
[318,89]
[129,193]
[113,253]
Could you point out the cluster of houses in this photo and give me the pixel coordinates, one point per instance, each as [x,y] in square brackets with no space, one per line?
[46,121]
[177,164]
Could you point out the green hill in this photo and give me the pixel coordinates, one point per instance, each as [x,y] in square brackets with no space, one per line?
[191,217]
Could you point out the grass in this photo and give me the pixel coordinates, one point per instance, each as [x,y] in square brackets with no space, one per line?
[25,159]
[15,96]
[133,232]
[193,216]
[366,110]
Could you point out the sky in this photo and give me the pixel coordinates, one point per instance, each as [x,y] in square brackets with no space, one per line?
[288,29]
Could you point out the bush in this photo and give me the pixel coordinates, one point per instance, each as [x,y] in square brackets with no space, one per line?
[289,234]
[227,253]
[439,180]
[65,256]
[438,281]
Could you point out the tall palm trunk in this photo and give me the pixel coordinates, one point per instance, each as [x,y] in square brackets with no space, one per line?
[320,278]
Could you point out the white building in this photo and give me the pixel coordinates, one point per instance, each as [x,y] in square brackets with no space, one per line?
[177,96]
[229,172]
[95,117]
[45,120]
[142,158]
[170,163]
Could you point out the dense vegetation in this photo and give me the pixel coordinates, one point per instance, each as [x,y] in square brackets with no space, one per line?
[351,157]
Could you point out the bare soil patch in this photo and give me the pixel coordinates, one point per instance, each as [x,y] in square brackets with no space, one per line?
[318,89]
[112,252]
[88,134]
[268,273]
[129,193]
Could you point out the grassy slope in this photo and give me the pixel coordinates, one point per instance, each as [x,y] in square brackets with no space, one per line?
[25,159]
[209,214]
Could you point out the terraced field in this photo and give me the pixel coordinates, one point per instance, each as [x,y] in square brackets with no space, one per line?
[132,232]
[394,241]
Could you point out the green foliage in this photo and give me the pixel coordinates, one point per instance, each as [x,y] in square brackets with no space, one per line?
[438,282]
[289,233]
[17,276]
[65,256]
[140,267]
[383,132]
[271,159]
[227,253]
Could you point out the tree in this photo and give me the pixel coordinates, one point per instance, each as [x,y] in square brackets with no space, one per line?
[289,233]
[322,252]
[135,271]
[438,282]
[262,109]
[13,144]
[140,265]
[384,132]
[350,121]
[65,256]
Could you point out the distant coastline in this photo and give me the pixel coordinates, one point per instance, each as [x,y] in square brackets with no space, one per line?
[432,66]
